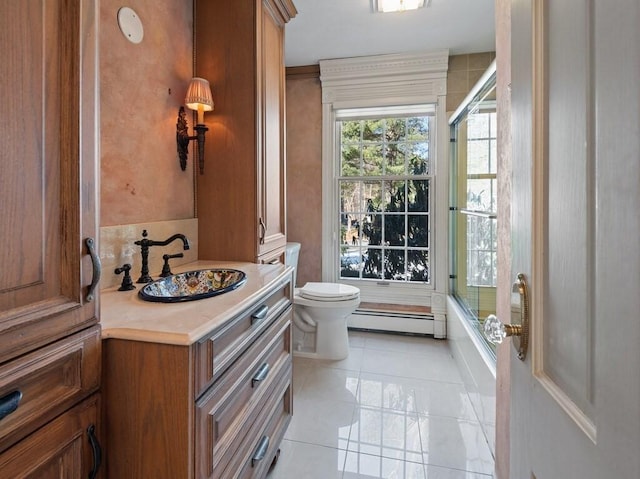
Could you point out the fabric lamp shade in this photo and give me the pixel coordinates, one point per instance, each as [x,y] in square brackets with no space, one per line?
[199,97]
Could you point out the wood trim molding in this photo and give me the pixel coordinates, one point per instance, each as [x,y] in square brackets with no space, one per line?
[302,72]
[399,75]
[405,308]
[285,9]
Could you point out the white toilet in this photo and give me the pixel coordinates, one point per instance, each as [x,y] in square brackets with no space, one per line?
[320,314]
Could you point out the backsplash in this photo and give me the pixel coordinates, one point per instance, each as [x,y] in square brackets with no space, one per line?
[117,247]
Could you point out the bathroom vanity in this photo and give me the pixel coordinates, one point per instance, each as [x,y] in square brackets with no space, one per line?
[199,389]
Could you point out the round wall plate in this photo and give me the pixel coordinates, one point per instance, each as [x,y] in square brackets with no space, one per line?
[130,25]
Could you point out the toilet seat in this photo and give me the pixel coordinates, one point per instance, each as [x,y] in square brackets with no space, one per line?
[328,292]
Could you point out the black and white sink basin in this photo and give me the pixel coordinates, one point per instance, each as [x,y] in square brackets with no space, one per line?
[193,285]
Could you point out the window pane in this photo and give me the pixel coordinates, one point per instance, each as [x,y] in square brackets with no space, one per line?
[356,235]
[351,131]
[350,165]
[418,128]
[372,268]
[372,195]
[394,230]
[350,263]
[395,160]
[493,124]
[350,196]
[480,268]
[418,266]
[480,195]
[418,195]
[373,130]
[478,126]
[372,160]
[418,231]
[493,160]
[372,229]
[417,158]
[477,156]
[395,129]
[394,196]
[394,264]
[349,229]
[481,251]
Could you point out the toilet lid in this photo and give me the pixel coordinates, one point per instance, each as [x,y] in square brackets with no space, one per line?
[328,291]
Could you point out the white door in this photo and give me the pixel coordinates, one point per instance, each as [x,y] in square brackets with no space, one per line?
[575,399]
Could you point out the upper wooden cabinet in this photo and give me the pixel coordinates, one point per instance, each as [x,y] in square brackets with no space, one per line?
[48,134]
[241,195]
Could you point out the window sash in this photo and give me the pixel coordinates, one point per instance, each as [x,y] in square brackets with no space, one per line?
[412,264]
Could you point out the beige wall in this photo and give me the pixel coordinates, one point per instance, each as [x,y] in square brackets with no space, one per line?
[464,72]
[142,87]
[304,172]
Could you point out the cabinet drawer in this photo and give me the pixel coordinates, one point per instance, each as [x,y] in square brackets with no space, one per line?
[263,445]
[49,380]
[216,352]
[66,448]
[225,412]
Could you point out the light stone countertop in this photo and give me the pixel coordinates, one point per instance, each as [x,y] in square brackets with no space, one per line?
[124,315]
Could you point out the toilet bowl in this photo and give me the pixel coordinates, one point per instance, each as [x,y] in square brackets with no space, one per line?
[320,312]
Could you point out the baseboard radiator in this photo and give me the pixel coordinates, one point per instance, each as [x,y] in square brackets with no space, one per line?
[411,322]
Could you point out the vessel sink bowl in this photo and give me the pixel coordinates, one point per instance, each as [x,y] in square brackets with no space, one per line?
[193,285]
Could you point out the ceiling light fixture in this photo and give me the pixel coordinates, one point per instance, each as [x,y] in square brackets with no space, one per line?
[386,6]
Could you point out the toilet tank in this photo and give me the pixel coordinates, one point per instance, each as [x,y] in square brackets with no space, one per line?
[291,254]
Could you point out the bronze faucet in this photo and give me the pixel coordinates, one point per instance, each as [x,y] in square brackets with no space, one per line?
[145,244]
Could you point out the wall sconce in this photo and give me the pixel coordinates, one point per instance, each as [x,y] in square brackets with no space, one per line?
[198,98]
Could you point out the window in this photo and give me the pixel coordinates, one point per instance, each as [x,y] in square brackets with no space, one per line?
[384,173]
[474,204]
[481,198]
[383,186]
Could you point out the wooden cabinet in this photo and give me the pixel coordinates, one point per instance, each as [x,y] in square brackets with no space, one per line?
[241,195]
[217,408]
[49,333]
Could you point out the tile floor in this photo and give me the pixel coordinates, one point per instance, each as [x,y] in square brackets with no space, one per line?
[395,408]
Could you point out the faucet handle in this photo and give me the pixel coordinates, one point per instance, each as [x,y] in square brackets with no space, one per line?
[127,283]
[166,270]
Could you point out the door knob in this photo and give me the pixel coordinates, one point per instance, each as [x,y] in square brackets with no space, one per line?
[495,330]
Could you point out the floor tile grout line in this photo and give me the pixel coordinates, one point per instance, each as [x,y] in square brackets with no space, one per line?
[461,383]
[361,372]
[424,464]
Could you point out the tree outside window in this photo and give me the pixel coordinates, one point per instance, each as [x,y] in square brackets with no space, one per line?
[384,185]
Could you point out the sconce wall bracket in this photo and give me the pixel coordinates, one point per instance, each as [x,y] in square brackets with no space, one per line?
[183,138]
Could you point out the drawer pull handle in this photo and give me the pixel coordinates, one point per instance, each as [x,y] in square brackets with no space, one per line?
[9,403]
[261,451]
[259,314]
[97,451]
[261,375]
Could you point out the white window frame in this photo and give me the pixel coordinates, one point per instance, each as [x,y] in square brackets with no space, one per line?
[386,81]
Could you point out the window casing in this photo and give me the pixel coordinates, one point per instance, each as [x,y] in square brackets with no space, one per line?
[400,86]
